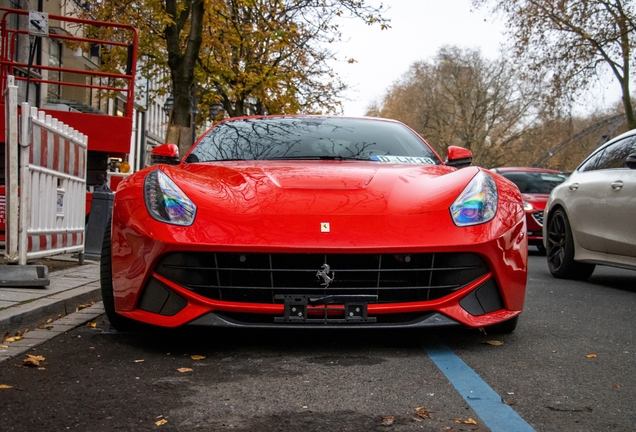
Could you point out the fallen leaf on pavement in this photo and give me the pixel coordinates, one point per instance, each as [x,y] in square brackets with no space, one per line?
[494,342]
[91,324]
[33,360]
[5,386]
[4,346]
[617,386]
[197,357]
[467,421]
[84,306]
[591,356]
[387,420]
[8,338]
[422,412]
[183,370]
[161,422]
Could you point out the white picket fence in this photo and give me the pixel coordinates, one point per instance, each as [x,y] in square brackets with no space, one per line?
[52,185]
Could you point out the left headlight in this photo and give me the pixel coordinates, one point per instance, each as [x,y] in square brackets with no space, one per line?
[166,202]
[477,203]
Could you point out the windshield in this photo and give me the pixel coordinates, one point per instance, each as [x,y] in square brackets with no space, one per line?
[535,182]
[312,138]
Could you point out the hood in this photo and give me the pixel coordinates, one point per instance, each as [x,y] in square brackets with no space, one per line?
[314,187]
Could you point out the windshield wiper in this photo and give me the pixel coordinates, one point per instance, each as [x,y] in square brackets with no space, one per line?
[314,157]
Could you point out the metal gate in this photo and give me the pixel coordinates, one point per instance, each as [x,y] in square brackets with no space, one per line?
[52,187]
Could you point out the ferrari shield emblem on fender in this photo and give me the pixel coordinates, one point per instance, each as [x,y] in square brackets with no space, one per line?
[324,227]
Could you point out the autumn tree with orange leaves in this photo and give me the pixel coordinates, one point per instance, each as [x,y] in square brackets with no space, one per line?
[251,56]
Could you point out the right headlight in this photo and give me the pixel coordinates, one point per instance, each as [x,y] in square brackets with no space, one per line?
[166,202]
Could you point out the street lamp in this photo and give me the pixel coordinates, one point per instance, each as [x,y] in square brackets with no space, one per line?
[168,105]
[215,109]
[194,110]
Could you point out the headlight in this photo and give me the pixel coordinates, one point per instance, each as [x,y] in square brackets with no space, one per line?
[477,203]
[166,202]
[527,206]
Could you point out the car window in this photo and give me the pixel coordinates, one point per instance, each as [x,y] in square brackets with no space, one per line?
[311,138]
[615,155]
[591,162]
[535,182]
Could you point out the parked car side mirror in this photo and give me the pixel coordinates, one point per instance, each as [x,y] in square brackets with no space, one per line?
[458,157]
[165,154]
[631,161]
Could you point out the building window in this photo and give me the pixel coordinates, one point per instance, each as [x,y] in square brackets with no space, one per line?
[55,60]
[120,107]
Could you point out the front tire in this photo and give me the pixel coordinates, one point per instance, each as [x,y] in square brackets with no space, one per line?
[560,250]
[503,327]
[119,322]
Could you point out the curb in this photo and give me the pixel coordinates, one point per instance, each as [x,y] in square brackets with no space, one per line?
[30,315]
[39,336]
[28,308]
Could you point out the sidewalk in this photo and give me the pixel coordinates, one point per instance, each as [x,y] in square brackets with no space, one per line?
[30,308]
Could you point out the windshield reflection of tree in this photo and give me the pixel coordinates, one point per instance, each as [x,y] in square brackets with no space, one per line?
[262,139]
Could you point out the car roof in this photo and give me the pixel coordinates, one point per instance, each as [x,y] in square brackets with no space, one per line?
[629,133]
[524,169]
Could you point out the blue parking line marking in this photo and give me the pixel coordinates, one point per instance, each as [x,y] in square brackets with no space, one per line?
[487,404]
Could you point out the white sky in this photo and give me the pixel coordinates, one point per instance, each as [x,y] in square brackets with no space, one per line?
[418,29]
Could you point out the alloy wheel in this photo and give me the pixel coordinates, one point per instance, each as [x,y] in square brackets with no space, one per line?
[556,240]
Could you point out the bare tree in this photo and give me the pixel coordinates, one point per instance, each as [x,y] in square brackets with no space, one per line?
[571,42]
[461,98]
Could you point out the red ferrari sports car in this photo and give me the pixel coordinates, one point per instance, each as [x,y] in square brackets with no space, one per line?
[315,222]
[535,185]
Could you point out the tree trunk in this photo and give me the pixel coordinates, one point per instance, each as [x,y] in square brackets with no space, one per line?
[182,65]
[627,104]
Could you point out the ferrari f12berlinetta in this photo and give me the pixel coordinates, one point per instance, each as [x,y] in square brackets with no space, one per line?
[315,221]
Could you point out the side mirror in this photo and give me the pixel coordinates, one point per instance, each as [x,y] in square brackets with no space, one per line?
[631,161]
[458,157]
[165,154]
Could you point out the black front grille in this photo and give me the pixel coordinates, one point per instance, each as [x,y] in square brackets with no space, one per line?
[259,277]
[538,216]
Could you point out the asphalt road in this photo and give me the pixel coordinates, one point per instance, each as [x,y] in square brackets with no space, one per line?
[569,366]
